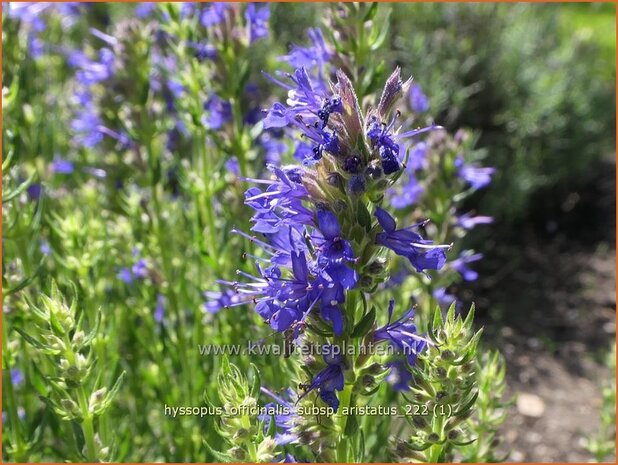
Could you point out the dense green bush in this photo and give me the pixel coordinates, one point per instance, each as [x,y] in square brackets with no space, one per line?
[541,93]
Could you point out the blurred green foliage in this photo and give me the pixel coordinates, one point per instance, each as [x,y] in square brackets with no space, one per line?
[537,80]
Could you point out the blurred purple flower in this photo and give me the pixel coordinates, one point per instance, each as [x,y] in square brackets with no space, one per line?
[159,313]
[220,300]
[309,57]
[218,112]
[34,191]
[17,377]
[125,275]
[284,422]
[140,269]
[213,14]
[257,16]
[461,265]
[45,248]
[407,194]
[60,166]
[418,157]
[477,177]
[467,221]
[144,9]
[401,334]
[418,100]
[233,166]
[399,376]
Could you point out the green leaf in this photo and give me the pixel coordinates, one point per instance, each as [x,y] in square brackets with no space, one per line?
[371,13]
[24,283]
[470,317]
[79,436]
[272,427]
[257,384]
[365,324]
[111,395]
[93,332]
[217,455]
[351,426]
[21,188]
[450,315]
[363,216]
[30,340]
[468,405]
[360,450]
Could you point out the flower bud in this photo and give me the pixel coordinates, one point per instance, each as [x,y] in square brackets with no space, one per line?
[103,454]
[238,453]
[70,406]
[242,433]
[419,422]
[78,338]
[96,399]
[447,355]
[357,185]
[266,449]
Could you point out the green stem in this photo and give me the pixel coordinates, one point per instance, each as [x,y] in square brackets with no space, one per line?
[237,140]
[435,451]
[346,401]
[87,425]
[19,449]
[82,400]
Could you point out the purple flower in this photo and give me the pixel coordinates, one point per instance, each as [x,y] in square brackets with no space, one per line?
[399,376]
[329,380]
[418,157]
[401,334]
[309,57]
[295,283]
[281,204]
[233,166]
[308,109]
[273,147]
[461,265]
[144,9]
[418,100]
[382,139]
[467,221]
[420,252]
[87,128]
[445,299]
[213,14]
[218,111]
[159,313]
[34,191]
[140,269]
[407,194]
[284,422]
[125,275]
[477,177]
[45,248]
[27,12]
[303,152]
[203,51]
[17,377]
[257,16]
[60,166]
[36,46]
[217,301]
[335,251]
[92,72]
